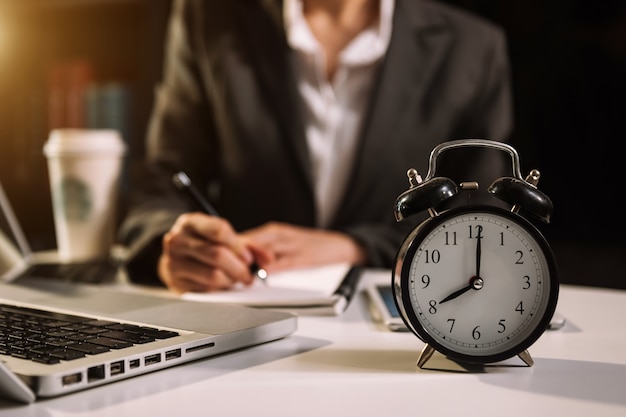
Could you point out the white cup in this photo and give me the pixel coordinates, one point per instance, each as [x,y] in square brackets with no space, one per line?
[84,167]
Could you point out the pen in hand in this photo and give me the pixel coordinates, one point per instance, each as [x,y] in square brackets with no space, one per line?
[182,182]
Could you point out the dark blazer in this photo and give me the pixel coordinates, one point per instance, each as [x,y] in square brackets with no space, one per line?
[227,113]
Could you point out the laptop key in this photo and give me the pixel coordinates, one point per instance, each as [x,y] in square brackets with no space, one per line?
[19,354]
[160,334]
[48,360]
[93,330]
[67,354]
[111,343]
[90,348]
[128,337]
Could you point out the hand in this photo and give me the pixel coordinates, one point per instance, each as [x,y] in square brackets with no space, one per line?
[203,253]
[297,247]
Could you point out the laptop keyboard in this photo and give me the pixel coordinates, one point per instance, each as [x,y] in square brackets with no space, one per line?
[87,273]
[50,337]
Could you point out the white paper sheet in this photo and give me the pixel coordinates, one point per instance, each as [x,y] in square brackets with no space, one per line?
[294,288]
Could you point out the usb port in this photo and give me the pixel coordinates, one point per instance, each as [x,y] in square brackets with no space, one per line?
[152,359]
[117,368]
[172,354]
[72,379]
[133,363]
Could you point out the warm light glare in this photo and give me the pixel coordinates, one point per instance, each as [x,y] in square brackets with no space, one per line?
[4,38]
[7,28]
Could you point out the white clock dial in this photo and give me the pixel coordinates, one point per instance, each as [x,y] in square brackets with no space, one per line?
[477,285]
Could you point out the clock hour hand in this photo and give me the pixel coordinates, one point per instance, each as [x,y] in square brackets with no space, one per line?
[476,283]
[456,294]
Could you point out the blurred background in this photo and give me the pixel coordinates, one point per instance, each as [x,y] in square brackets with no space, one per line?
[95,63]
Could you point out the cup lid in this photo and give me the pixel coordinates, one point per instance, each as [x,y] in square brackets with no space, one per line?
[84,141]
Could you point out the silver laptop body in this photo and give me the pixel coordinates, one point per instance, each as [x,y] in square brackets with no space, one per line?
[204,329]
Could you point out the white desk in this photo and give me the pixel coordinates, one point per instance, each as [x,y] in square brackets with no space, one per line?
[348,366]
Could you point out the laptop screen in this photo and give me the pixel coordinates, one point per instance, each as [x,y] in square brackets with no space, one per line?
[14,248]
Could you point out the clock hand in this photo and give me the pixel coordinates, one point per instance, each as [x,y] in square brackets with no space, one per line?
[476,283]
[478,253]
[456,294]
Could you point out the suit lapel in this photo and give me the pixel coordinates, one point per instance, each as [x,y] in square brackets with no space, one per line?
[276,65]
[417,46]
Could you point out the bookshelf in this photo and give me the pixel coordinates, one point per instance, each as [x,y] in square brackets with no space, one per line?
[71,51]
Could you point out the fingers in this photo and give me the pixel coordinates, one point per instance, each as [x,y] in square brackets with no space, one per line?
[277,238]
[211,229]
[182,275]
[261,255]
[204,253]
[297,247]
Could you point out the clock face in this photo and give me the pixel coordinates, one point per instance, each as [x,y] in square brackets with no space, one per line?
[478,285]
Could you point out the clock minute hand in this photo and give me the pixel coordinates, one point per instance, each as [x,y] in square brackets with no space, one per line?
[478,254]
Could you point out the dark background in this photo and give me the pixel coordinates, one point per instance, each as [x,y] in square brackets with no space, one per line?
[568,66]
[569,77]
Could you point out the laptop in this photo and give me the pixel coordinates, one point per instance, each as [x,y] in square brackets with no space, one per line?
[58,337]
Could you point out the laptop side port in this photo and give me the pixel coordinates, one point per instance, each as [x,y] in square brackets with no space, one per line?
[173,354]
[71,379]
[117,368]
[152,359]
[133,363]
[200,347]
[95,373]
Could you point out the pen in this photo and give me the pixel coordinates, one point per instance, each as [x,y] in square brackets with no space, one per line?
[182,182]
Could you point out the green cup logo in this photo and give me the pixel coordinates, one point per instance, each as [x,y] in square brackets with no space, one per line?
[73,199]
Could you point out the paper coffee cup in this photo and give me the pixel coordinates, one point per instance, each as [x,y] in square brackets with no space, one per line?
[84,167]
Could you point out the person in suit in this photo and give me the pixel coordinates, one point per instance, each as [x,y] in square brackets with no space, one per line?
[299,120]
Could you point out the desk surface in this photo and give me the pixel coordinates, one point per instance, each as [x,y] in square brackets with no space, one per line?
[350,366]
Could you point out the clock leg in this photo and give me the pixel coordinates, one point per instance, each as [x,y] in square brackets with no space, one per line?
[525,357]
[425,355]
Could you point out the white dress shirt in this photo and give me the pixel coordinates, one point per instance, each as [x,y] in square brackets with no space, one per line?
[334,109]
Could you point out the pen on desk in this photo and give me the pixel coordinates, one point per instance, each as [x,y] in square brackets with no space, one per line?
[182,182]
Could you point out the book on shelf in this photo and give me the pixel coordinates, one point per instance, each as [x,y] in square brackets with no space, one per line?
[67,83]
[107,106]
[77,99]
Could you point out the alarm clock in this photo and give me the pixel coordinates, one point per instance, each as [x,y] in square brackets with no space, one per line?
[477,283]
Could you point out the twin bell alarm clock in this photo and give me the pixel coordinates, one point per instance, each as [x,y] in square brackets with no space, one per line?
[477,283]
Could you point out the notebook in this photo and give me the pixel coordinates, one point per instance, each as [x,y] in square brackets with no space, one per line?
[58,337]
[315,291]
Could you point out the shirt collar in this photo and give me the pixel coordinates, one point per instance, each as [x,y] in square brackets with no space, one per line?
[367,47]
